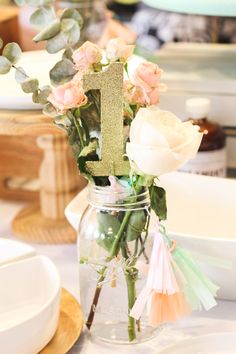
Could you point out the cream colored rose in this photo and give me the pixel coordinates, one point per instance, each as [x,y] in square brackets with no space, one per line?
[160,142]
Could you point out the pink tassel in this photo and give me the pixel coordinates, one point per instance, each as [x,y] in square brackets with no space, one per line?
[161,290]
[161,277]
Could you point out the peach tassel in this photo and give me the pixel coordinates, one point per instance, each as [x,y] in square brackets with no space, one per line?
[167,308]
[161,293]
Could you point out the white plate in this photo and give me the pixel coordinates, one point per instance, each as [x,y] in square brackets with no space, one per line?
[37,65]
[29,305]
[217,343]
[11,251]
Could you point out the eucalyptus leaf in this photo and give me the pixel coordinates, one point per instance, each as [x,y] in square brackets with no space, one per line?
[30,85]
[73,36]
[12,52]
[40,96]
[49,110]
[136,225]
[67,24]
[109,226]
[48,32]
[158,201]
[68,54]
[57,43]
[73,13]
[42,16]
[20,75]
[5,65]
[62,72]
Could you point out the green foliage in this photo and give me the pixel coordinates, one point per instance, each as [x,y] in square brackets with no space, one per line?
[5,65]
[12,52]
[62,72]
[40,96]
[91,115]
[56,43]
[158,201]
[20,75]
[48,32]
[49,110]
[73,14]
[109,226]
[136,225]
[68,54]
[145,181]
[90,148]
[30,85]
[42,17]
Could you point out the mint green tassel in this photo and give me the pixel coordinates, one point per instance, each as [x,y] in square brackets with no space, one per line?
[198,289]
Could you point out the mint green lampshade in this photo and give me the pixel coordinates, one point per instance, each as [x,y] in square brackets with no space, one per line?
[225,8]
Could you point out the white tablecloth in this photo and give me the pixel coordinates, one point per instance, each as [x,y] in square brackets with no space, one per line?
[220,319]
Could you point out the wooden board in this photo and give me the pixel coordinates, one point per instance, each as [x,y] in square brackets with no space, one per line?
[30,225]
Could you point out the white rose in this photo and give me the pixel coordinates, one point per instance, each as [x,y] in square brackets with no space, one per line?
[160,142]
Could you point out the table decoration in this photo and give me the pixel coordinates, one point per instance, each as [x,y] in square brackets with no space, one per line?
[122,143]
[40,157]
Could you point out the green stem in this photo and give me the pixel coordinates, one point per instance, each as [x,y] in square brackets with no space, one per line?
[130,281]
[79,131]
[115,245]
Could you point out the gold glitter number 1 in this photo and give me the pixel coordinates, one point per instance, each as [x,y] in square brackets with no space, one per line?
[110,84]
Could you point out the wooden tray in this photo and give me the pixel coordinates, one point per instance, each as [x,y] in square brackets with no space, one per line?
[69,327]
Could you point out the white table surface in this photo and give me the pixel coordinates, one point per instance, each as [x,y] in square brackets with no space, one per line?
[220,319]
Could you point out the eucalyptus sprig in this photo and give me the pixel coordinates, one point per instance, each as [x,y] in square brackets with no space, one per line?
[60,31]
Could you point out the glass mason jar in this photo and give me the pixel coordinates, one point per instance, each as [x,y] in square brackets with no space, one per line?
[114,249]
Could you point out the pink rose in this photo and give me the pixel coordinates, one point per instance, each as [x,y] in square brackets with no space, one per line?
[117,49]
[136,95]
[147,76]
[152,96]
[69,95]
[87,55]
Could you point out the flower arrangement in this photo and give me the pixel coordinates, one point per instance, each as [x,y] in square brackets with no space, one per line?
[155,142]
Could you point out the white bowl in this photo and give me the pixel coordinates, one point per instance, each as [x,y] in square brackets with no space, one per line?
[202,218]
[216,343]
[12,251]
[29,305]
